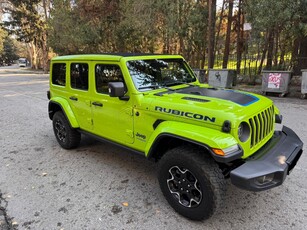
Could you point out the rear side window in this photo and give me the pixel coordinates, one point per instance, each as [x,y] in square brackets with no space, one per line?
[79,76]
[104,74]
[59,74]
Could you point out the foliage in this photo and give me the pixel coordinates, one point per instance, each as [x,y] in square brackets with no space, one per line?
[279,28]
[9,52]
[25,20]
[276,26]
[128,26]
[28,24]
[81,26]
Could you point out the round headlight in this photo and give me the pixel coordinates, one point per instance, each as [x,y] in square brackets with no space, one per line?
[243,131]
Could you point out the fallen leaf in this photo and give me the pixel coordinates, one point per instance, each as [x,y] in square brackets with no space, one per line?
[125,204]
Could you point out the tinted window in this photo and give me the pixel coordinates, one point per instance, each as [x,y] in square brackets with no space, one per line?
[105,74]
[79,76]
[59,74]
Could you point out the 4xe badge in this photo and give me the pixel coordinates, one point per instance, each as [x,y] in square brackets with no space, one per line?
[140,137]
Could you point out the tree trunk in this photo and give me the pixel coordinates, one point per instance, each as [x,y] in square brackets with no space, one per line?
[227,41]
[302,55]
[45,51]
[220,24]
[294,55]
[281,63]
[181,36]
[203,59]
[265,49]
[211,32]
[239,37]
[33,54]
[270,49]
[277,35]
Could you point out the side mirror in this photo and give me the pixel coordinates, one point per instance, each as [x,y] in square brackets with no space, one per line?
[117,89]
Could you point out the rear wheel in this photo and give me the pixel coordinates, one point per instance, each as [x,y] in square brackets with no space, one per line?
[191,182]
[66,136]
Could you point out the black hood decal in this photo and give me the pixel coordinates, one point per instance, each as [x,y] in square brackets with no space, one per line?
[225,94]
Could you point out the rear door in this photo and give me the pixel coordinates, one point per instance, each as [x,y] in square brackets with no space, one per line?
[79,96]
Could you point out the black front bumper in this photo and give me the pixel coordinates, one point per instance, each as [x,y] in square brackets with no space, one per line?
[270,165]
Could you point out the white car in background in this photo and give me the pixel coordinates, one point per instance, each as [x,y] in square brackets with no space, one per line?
[22,62]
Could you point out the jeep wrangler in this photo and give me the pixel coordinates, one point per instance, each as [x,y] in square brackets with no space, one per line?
[155,106]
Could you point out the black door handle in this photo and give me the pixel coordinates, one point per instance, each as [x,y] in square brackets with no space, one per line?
[97,103]
[73,98]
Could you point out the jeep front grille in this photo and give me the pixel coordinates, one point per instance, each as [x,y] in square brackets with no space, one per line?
[261,125]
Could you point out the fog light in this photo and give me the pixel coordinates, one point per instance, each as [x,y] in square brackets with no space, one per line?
[265,179]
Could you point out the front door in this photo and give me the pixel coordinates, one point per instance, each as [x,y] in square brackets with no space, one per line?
[112,117]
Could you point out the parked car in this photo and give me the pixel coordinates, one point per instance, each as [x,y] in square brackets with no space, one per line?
[22,62]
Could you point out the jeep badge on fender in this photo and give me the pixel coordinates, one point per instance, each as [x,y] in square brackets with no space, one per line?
[154,105]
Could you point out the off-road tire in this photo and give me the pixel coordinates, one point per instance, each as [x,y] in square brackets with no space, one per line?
[66,136]
[208,185]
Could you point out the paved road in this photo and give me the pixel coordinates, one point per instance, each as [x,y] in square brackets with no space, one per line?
[99,186]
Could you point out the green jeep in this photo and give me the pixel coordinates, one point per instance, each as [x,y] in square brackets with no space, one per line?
[154,105]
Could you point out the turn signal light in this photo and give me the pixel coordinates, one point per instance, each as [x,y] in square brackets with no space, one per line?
[219,152]
[226,151]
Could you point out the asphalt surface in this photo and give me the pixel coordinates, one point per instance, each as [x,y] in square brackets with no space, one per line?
[99,186]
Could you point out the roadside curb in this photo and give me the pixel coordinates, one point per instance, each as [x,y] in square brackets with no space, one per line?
[21,70]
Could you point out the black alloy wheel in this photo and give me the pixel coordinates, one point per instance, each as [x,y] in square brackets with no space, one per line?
[192,182]
[66,136]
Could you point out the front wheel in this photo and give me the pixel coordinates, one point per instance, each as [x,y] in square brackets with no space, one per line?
[191,182]
[66,136]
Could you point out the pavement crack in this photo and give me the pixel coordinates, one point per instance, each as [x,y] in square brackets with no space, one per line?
[5,219]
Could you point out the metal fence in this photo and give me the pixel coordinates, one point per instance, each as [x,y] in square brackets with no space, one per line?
[250,64]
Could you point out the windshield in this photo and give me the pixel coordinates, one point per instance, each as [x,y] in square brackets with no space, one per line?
[158,73]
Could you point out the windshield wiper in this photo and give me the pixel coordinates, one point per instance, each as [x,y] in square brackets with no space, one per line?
[173,83]
[149,87]
[176,83]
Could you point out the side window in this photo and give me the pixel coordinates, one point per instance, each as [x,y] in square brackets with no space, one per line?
[79,76]
[59,74]
[105,74]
